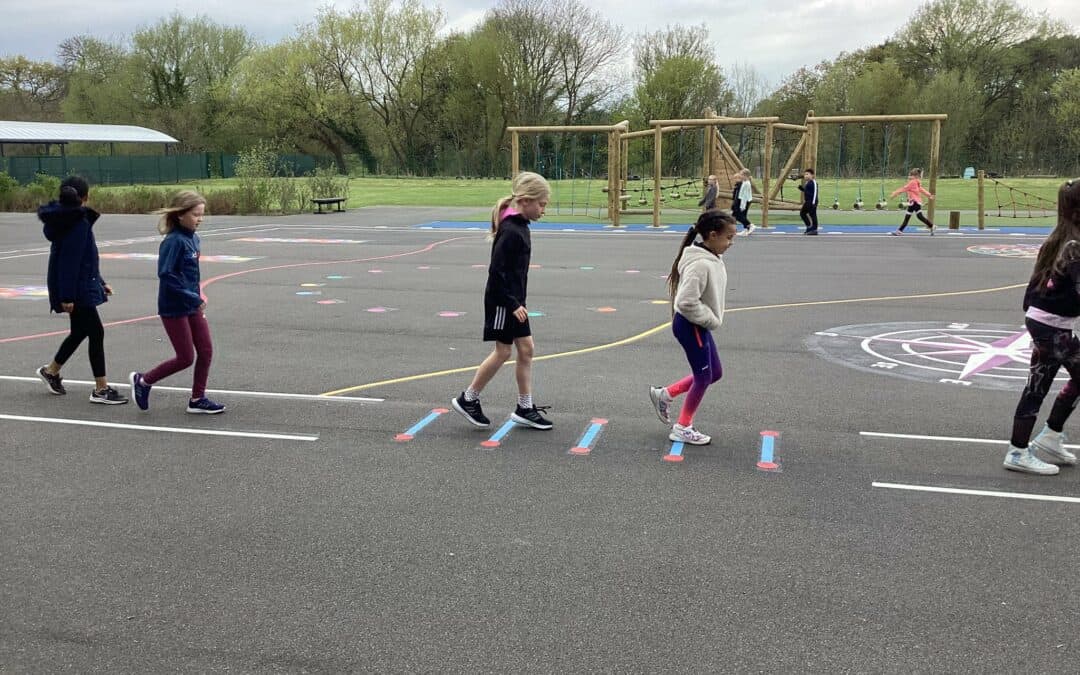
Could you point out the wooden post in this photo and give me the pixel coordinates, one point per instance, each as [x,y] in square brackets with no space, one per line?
[954,220]
[614,180]
[982,198]
[766,171]
[935,159]
[658,148]
[515,160]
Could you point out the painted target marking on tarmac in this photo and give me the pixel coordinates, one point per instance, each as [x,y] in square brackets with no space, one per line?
[1006,250]
[984,355]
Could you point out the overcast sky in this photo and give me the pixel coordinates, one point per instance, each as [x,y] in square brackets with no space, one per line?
[776,36]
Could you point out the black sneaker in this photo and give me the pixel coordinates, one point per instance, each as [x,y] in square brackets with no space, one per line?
[531,417]
[55,383]
[471,410]
[107,396]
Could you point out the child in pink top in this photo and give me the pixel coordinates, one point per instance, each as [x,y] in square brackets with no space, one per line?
[915,191]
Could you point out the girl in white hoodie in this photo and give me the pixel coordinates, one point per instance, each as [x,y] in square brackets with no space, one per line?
[697,283]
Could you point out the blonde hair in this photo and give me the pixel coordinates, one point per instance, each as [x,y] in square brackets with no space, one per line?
[744,172]
[181,203]
[526,185]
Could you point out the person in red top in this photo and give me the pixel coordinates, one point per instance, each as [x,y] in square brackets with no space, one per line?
[915,192]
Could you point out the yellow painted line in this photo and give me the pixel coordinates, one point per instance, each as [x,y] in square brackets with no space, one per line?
[656,329]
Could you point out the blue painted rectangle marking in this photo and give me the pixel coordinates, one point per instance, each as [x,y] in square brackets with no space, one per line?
[590,435]
[503,430]
[676,448]
[432,416]
[767,445]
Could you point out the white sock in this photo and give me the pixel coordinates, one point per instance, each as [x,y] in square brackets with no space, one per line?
[471,395]
[525,401]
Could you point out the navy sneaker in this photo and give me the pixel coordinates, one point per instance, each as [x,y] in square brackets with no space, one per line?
[204,406]
[140,391]
[531,417]
[55,383]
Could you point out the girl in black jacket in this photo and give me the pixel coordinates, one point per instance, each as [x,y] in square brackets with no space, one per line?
[506,320]
[75,286]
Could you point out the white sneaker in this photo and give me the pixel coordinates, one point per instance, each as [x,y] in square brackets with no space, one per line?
[1021,459]
[1052,443]
[661,400]
[692,436]
[750,229]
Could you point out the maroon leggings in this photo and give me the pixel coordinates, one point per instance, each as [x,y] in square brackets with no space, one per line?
[190,337]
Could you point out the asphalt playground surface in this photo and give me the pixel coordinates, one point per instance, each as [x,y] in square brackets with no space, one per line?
[319,542]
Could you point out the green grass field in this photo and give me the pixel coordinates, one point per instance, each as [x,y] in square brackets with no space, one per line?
[583,199]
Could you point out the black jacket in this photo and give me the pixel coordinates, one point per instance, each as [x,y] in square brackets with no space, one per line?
[508,273]
[1060,296]
[73,274]
[810,192]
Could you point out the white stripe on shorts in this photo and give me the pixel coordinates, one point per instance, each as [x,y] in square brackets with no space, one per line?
[500,318]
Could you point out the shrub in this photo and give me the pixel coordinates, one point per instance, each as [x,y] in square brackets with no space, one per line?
[223,202]
[9,189]
[255,168]
[325,182]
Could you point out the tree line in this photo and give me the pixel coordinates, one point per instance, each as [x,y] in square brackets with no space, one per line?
[382,84]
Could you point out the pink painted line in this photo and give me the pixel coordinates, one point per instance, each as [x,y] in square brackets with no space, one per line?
[220,277]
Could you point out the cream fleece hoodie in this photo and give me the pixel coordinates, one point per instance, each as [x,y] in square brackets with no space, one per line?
[702,286]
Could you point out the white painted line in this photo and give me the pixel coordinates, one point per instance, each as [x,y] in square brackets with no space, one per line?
[253,394]
[950,439]
[978,493]
[171,430]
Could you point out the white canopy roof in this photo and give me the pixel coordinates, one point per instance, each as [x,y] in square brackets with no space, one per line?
[48,132]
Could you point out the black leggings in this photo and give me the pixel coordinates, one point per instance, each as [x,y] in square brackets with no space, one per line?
[85,323]
[1051,349]
[808,213]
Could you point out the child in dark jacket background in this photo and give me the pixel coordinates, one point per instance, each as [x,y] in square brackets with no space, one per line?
[75,286]
[181,304]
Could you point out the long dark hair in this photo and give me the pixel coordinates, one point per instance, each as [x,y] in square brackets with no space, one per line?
[73,190]
[1063,245]
[709,221]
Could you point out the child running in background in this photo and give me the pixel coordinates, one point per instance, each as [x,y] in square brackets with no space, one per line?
[1051,308]
[181,304]
[506,319]
[915,191]
[697,284]
[741,196]
[75,286]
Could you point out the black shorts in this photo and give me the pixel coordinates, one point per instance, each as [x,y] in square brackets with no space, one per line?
[914,207]
[500,325]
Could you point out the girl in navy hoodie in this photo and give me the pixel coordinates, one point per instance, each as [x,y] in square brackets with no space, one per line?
[181,304]
[75,286]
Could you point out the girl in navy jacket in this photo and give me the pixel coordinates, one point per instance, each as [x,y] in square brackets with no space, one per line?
[181,305]
[75,286]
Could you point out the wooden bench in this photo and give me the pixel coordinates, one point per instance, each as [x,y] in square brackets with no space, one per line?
[327,201]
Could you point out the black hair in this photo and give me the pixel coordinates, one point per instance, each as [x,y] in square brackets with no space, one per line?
[73,191]
[809,171]
[709,221]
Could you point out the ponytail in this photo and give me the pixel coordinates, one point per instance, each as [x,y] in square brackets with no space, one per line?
[496,214]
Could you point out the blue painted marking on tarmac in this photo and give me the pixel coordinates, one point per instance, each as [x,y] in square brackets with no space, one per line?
[767,444]
[432,416]
[503,430]
[676,448]
[680,228]
[590,435]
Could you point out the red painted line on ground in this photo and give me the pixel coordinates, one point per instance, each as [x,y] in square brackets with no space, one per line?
[429,247]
